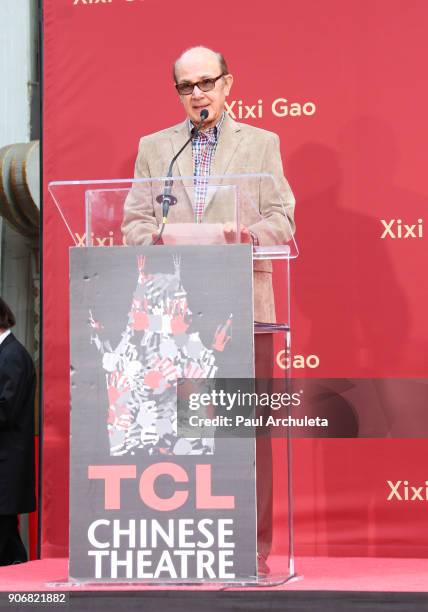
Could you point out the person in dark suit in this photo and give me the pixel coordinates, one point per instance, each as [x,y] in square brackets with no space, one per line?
[17,392]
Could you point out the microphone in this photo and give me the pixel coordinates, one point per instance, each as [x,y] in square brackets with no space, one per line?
[166,198]
[202,115]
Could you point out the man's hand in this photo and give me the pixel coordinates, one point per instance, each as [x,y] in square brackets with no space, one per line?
[229,232]
[154,238]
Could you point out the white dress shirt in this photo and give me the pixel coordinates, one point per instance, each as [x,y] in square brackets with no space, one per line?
[4,335]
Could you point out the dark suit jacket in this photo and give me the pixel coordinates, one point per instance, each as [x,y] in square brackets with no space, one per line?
[17,391]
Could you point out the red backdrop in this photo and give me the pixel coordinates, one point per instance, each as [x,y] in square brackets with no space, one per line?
[356,163]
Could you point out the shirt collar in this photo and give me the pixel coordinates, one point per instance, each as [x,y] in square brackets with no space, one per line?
[4,335]
[214,130]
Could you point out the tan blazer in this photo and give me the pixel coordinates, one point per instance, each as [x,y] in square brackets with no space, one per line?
[241,149]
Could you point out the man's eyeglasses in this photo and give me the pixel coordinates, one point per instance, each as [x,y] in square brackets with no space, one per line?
[184,89]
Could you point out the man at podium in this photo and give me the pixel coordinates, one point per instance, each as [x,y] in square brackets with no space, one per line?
[219,146]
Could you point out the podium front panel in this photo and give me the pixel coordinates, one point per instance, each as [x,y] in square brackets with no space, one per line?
[147,504]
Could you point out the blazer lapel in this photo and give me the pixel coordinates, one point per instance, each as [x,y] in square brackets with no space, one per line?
[184,163]
[10,338]
[229,139]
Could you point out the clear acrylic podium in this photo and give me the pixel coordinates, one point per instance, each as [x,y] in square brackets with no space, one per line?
[126,212]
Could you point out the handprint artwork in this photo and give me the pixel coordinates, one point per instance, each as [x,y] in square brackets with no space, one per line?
[156,348]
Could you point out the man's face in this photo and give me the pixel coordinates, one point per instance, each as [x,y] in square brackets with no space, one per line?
[195,66]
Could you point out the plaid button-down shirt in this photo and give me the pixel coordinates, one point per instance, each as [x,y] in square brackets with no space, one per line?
[203,149]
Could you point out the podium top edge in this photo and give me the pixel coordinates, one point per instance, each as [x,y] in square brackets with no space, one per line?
[122,181]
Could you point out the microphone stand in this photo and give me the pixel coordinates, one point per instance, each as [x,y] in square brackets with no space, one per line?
[166,198]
